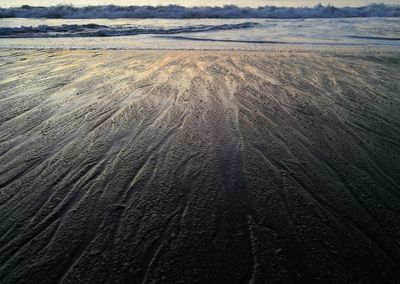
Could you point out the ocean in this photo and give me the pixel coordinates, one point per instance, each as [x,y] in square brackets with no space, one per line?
[178,27]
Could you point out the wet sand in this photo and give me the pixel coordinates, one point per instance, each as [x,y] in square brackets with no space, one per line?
[199,167]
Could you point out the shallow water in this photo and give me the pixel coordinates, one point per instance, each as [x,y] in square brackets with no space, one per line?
[197,33]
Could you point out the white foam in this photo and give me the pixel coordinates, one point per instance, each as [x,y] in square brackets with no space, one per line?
[180,12]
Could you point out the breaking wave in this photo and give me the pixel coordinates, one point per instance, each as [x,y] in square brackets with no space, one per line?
[92,30]
[179,12]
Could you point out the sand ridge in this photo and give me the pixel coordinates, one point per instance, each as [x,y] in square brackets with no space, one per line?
[185,166]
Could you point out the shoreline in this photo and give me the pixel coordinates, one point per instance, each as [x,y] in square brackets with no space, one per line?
[320,49]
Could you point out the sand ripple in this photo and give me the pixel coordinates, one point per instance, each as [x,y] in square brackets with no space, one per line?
[199,166]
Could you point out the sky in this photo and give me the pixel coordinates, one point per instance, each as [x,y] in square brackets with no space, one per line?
[246,3]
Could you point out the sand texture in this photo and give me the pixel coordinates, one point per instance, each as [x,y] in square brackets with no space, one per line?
[199,167]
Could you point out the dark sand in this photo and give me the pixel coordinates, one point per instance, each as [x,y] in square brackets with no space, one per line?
[199,167]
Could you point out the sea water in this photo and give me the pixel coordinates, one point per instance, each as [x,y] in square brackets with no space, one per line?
[193,29]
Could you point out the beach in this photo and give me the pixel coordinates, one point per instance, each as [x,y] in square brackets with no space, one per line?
[140,166]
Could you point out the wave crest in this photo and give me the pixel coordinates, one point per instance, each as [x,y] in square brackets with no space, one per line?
[179,12]
[92,30]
